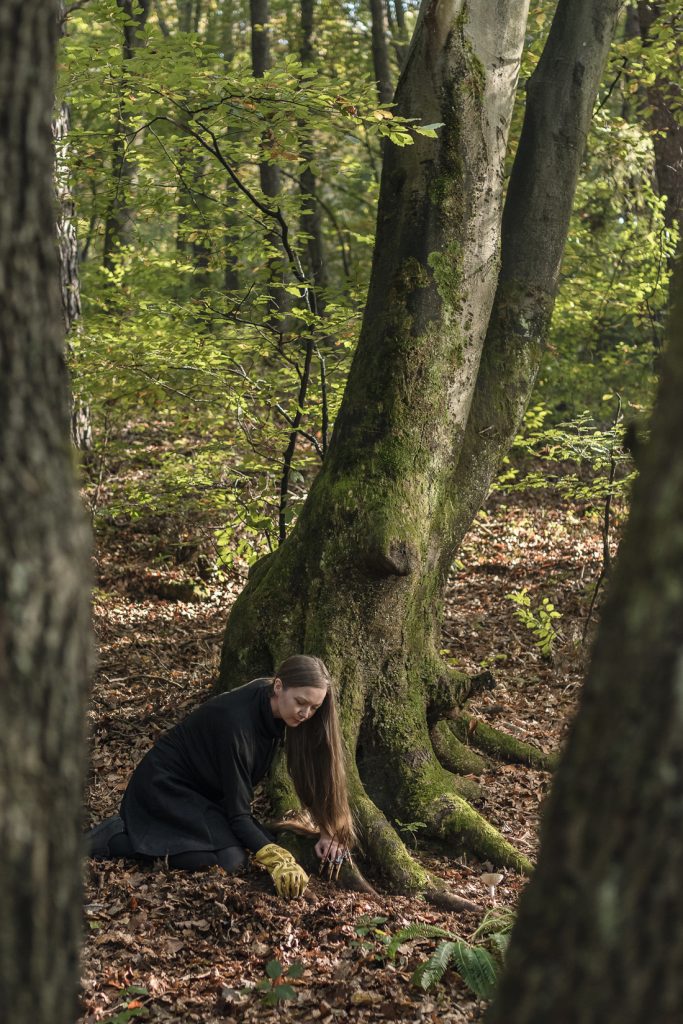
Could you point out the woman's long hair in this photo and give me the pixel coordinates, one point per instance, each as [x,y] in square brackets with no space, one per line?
[315,754]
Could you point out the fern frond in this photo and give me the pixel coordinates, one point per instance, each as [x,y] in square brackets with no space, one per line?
[498,943]
[477,968]
[499,920]
[416,931]
[432,970]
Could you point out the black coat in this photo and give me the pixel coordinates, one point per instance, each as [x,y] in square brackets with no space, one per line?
[193,790]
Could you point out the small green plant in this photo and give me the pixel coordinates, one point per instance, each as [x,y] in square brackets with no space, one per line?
[538,621]
[131,1007]
[273,988]
[369,931]
[478,961]
[412,828]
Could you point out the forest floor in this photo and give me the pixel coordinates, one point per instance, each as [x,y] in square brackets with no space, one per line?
[174,946]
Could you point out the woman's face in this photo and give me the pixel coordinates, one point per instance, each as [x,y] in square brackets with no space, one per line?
[295,705]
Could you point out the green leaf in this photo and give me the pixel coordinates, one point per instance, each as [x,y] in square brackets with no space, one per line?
[284,992]
[274,969]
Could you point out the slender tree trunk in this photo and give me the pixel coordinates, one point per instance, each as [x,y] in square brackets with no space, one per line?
[118,225]
[311,221]
[67,246]
[271,182]
[44,556]
[380,51]
[231,278]
[401,38]
[598,938]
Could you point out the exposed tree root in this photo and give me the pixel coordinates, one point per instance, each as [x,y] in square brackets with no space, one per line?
[500,744]
[445,900]
[452,820]
[455,755]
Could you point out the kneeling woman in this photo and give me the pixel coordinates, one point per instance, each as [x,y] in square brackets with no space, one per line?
[189,799]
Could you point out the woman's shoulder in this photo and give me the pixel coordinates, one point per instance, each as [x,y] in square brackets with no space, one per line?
[235,705]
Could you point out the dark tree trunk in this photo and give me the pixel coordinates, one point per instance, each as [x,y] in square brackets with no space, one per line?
[401,34]
[44,608]
[360,580]
[118,226]
[598,938]
[380,51]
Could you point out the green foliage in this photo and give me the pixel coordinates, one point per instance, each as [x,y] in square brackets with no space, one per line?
[478,961]
[191,377]
[583,462]
[476,967]
[274,990]
[538,621]
[411,827]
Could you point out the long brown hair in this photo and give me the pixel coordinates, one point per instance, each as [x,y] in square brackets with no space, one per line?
[315,754]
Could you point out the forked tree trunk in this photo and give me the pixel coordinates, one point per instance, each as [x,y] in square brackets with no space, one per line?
[44,612]
[360,579]
[598,938]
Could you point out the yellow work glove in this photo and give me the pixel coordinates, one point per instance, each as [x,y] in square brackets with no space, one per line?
[289,878]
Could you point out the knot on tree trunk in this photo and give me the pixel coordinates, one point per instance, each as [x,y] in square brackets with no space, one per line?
[397,558]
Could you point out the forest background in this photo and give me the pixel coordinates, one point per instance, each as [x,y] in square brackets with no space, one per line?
[203,344]
[221,168]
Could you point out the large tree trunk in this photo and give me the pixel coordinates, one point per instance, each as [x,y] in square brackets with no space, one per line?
[598,938]
[44,611]
[360,580]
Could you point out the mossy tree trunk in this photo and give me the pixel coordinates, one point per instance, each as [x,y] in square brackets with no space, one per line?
[598,938]
[426,417]
[44,556]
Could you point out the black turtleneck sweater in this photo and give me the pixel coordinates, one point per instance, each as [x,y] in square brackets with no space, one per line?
[194,788]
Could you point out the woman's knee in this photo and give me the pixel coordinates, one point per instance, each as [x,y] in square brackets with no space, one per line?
[232,858]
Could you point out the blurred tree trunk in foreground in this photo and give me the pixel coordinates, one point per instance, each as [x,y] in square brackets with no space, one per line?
[599,937]
[44,549]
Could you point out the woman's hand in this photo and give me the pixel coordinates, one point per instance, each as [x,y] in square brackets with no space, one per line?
[328,849]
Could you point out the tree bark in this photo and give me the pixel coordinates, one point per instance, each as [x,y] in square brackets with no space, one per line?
[598,936]
[421,428]
[44,555]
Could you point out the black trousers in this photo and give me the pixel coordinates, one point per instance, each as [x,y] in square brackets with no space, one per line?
[110,840]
